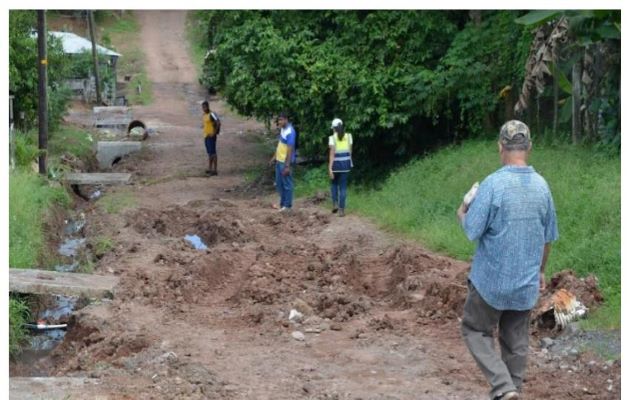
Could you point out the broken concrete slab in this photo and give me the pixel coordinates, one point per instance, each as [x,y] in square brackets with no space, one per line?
[38,281]
[111,117]
[55,388]
[111,110]
[97,178]
[108,152]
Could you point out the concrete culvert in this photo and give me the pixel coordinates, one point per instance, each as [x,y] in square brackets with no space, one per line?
[137,130]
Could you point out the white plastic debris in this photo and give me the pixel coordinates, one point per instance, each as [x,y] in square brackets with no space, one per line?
[295,316]
[468,198]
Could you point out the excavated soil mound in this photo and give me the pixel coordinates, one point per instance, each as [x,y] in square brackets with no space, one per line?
[213,227]
[297,221]
[585,289]
[177,278]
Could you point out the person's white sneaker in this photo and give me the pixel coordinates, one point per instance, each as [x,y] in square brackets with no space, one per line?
[510,396]
[284,209]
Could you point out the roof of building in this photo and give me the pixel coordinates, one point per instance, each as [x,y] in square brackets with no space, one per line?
[75,44]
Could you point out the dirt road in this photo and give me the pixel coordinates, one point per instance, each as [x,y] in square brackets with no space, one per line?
[380,315]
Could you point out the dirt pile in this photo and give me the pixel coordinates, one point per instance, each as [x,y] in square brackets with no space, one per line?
[584,289]
[297,221]
[212,226]
[176,279]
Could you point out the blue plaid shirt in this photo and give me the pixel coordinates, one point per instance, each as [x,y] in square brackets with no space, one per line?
[512,216]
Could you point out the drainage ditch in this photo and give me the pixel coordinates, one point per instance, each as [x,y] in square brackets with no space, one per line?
[49,314]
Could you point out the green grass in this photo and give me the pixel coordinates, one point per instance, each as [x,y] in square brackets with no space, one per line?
[309,181]
[145,96]
[30,198]
[115,202]
[71,139]
[197,41]
[18,316]
[134,60]
[420,199]
[123,33]
[125,24]
[102,245]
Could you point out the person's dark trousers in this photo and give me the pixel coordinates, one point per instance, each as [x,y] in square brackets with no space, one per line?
[338,188]
[284,186]
[505,372]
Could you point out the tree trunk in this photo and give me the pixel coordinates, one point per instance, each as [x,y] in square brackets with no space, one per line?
[94,56]
[576,80]
[555,105]
[538,128]
[42,62]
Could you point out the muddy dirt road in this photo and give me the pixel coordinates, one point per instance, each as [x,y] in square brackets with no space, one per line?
[379,315]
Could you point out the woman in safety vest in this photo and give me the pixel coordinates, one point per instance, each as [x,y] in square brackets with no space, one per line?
[339,165]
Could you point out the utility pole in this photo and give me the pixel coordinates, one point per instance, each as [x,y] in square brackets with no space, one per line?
[94,56]
[43,89]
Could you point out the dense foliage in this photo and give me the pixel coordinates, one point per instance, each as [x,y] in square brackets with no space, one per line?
[574,73]
[403,81]
[23,75]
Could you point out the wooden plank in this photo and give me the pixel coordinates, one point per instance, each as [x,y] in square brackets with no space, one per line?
[62,283]
[56,388]
[99,178]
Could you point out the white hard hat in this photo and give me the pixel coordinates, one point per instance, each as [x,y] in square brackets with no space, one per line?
[336,122]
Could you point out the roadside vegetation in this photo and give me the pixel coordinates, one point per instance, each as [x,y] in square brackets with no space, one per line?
[197,38]
[120,32]
[31,199]
[18,316]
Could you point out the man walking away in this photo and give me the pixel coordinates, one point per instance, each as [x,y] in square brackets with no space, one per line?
[211,129]
[284,157]
[339,165]
[513,218]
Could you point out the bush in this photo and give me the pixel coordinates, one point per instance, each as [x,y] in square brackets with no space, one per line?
[26,150]
[23,75]
[404,82]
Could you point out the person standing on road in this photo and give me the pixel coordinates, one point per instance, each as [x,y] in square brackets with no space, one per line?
[211,128]
[284,157]
[339,165]
[513,218]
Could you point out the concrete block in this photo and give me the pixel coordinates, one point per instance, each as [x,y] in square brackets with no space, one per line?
[108,152]
[38,281]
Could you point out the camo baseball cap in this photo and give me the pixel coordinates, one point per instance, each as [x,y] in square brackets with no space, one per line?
[514,132]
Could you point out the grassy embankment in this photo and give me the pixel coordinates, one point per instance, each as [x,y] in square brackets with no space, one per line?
[32,199]
[419,201]
[122,34]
